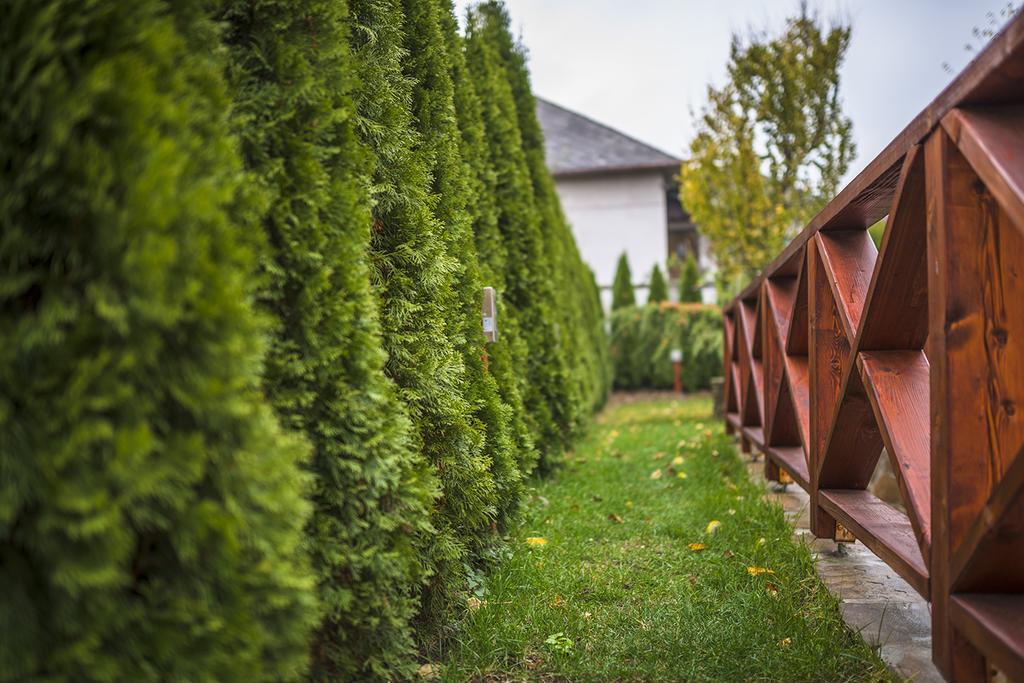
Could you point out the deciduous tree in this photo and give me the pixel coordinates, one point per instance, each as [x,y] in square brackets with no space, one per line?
[772,144]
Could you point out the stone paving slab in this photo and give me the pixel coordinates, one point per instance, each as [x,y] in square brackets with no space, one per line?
[874,600]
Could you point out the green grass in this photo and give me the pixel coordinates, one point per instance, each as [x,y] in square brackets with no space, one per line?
[616,593]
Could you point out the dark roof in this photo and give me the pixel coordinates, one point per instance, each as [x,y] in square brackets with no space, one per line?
[575,144]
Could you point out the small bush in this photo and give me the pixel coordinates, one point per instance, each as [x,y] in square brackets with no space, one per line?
[644,336]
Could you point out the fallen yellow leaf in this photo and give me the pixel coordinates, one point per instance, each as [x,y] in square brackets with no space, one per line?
[712,527]
[615,518]
[429,672]
[678,460]
[659,455]
[629,505]
[755,571]
[473,604]
[656,474]
[536,541]
[785,642]
[557,602]
[681,475]
[697,547]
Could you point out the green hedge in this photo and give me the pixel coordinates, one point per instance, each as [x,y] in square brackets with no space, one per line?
[644,336]
[151,507]
[249,426]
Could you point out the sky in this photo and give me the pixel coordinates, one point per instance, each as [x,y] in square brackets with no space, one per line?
[643,66]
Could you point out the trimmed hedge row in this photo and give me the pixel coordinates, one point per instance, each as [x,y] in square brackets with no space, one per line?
[643,338]
[249,426]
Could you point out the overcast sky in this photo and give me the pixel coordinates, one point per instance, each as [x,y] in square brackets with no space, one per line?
[642,66]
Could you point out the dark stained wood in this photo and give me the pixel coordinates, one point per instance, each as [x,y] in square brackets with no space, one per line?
[756,343]
[883,529]
[896,308]
[796,334]
[992,140]
[854,442]
[919,347]
[784,430]
[827,351]
[776,308]
[734,395]
[994,623]
[755,435]
[980,335]
[897,384]
[798,382]
[849,259]
[946,176]
[991,556]
[791,459]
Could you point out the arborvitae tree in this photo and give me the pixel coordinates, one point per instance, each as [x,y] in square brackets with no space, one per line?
[657,288]
[507,355]
[416,278]
[150,506]
[622,286]
[560,259]
[529,287]
[689,281]
[429,67]
[291,74]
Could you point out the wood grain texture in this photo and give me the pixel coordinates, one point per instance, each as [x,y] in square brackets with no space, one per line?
[991,556]
[798,382]
[849,260]
[854,442]
[897,387]
[992,141]
[792,460]
[883,529]
[995,625]
[896,307]
[796,333]
[919,347]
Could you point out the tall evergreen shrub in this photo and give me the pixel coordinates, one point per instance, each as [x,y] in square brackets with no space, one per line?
[416,277]
[292,77]
[657,290]
[622,286]
[689,281]
[150,506]
[526,290]
[507,355]
[433,105]
[564,266]
[643,338]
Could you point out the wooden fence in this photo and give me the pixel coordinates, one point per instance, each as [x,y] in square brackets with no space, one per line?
[839,352]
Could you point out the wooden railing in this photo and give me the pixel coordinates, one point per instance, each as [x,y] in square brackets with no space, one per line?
[839,352]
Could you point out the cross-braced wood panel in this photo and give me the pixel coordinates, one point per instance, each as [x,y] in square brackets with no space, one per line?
[838,354]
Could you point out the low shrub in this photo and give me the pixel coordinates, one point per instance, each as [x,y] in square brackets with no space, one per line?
[644,336]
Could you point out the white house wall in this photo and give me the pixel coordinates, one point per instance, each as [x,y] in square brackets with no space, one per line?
[610,214]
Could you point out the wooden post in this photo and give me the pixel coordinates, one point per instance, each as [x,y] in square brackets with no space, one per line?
[677,370]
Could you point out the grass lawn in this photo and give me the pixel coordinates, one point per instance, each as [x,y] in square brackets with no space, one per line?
[618,572]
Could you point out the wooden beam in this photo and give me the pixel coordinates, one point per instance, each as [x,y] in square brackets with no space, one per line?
[896,384]
[896,306]
[883,529]
[991,556]
[992,140]
[849,259]
[994,624]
